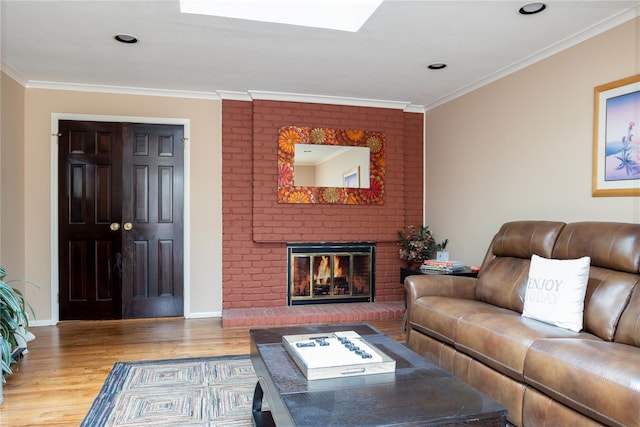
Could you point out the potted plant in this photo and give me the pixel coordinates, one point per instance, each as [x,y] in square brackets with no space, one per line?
[418,244]
[14,323]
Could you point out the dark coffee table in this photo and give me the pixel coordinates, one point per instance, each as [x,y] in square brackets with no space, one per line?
[418,393]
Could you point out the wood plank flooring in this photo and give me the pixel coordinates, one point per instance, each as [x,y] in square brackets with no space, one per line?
[66,366]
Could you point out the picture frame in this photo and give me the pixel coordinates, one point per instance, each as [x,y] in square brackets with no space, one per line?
[290,135]
[351,178]
[616,148]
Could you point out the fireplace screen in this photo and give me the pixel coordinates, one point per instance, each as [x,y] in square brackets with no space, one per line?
[330,272]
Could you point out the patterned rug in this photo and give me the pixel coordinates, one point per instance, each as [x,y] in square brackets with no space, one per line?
[214,391]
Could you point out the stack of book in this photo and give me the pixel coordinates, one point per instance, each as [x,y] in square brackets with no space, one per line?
[443,266]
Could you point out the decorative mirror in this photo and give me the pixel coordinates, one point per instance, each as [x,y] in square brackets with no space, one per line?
[322,165]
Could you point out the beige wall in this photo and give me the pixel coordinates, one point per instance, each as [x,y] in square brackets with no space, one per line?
[205,218]
[12,199]
[521,147]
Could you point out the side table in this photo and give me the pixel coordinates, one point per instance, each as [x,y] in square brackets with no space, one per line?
[405,271]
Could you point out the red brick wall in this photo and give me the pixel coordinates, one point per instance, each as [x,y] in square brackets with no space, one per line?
[256,227]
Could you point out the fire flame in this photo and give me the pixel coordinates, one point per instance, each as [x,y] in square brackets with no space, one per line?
[324,270]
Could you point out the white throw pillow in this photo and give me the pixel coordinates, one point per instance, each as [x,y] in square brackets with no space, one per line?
[555,291]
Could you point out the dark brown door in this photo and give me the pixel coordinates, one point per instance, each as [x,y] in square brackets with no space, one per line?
[90,195]
[120,220]
[153,215]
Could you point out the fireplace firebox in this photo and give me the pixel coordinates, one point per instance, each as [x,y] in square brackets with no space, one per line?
[330,272]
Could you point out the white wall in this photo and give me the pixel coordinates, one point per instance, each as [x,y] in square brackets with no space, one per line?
[521,147]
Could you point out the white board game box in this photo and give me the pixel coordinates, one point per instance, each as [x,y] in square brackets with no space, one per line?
[335,355]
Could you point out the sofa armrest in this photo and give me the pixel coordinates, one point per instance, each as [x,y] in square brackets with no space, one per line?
[443,285]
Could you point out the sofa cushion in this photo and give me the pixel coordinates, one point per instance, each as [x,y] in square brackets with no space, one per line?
[628,331]
[555,291]
[614,249]
[438,316]
[521,239]
[503,283]
[607,301]
[611,245]
[597,378]
[503,275]
[501,339]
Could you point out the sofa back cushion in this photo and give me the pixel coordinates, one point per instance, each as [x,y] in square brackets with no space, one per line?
[614,249]
[503,276]
[611,245]
[628,331]
[607,296]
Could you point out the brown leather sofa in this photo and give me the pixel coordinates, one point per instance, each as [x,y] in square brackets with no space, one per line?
[543,374]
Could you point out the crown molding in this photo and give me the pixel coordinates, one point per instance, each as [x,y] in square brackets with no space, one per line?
[252,95]
[324,99]
[13,73]
[413,108]
[234,95]
[217,95]
[122,90]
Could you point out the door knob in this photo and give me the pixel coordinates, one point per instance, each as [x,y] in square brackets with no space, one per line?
[115,226]
[127,226]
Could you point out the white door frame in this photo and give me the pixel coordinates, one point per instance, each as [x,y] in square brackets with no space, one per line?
[55,118]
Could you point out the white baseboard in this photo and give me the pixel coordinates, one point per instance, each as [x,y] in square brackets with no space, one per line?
[203,315]
[200,315]
[47,322]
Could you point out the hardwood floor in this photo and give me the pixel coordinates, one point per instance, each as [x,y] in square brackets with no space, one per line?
[56,382]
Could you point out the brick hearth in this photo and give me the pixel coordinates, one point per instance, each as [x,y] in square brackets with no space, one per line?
[312,313]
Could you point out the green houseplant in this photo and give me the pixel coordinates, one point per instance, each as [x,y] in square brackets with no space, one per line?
[13,315]
[418,244]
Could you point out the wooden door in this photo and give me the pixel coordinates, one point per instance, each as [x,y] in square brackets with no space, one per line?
[111,175]
[153,210]
[90,200]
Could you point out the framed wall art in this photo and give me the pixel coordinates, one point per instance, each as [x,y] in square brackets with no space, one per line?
[616,143]
[348,183]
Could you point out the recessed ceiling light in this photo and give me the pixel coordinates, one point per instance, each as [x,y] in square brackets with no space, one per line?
[437,66]
[329,14]
[126,38]
[532,8]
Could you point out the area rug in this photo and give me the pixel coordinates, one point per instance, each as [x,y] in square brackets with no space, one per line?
[212,391]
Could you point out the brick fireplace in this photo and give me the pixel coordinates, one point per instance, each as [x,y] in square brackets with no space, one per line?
[256,228]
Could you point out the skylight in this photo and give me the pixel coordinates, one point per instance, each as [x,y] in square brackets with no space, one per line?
[343,15]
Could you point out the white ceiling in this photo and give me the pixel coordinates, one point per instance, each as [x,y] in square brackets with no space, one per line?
[70,44]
